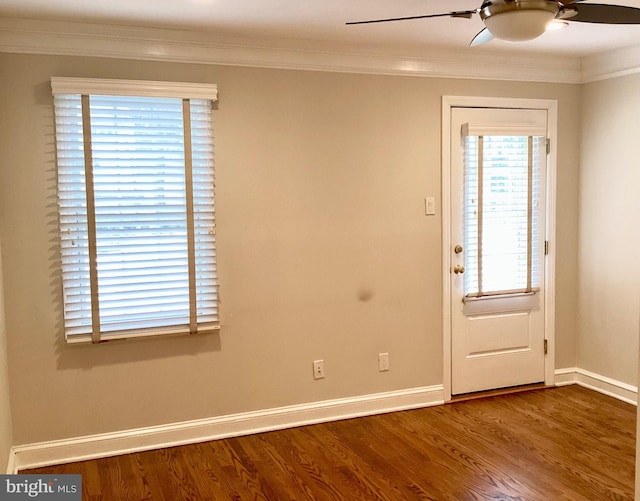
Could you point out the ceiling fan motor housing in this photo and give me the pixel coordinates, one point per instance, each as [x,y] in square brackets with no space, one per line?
[519,20]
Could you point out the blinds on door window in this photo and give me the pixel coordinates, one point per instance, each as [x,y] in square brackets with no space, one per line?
[503,193]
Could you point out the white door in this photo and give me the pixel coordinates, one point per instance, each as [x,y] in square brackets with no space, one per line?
[498,166]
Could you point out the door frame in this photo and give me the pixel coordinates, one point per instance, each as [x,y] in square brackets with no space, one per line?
[551,106]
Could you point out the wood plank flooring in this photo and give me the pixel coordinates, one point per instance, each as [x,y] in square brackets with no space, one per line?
[566,443]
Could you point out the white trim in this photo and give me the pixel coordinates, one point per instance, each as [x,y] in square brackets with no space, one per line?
[612,64]
[602,384]
[550,258]
[551,106]
[34,36]
[48,37]
[611,387]
[145,88]
[447,103]
[566,376]
[189,432]
[11,463]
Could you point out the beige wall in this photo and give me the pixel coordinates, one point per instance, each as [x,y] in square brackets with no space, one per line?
[609,271]
[6,436]
[320,185]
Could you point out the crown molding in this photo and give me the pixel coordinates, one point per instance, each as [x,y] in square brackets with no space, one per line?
[47,37]
[611,64]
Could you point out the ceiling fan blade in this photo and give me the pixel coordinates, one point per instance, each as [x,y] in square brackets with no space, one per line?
[462,13]
[481,38]
[605,14]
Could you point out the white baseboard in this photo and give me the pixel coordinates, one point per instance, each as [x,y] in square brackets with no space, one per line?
[566,376]
[602,384]
[189,432]
[11,463]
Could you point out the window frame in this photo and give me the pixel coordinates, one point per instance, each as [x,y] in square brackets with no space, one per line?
[141,89]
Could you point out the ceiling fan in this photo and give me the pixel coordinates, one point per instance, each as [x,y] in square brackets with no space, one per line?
[520,20]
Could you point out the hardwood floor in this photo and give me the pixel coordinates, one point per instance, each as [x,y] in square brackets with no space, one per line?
[565,443]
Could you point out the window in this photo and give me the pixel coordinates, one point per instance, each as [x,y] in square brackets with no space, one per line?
[502,211]
[136,208]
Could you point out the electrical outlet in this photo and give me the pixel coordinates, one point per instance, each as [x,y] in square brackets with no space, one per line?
[318,369]
[383,362]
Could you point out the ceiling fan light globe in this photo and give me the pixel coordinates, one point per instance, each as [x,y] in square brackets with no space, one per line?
[519,25]
[556,25]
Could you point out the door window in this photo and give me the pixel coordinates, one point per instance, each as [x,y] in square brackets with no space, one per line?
[502,212]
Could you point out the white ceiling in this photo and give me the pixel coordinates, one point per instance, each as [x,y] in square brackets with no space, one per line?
[321,23]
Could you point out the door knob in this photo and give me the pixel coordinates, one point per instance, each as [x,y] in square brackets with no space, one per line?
[458,249]
[458,268]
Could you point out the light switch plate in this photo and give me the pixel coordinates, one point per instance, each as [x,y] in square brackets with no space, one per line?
[430,206]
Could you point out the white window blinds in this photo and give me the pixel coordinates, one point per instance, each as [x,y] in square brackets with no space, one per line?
[136,208]
[503,194]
